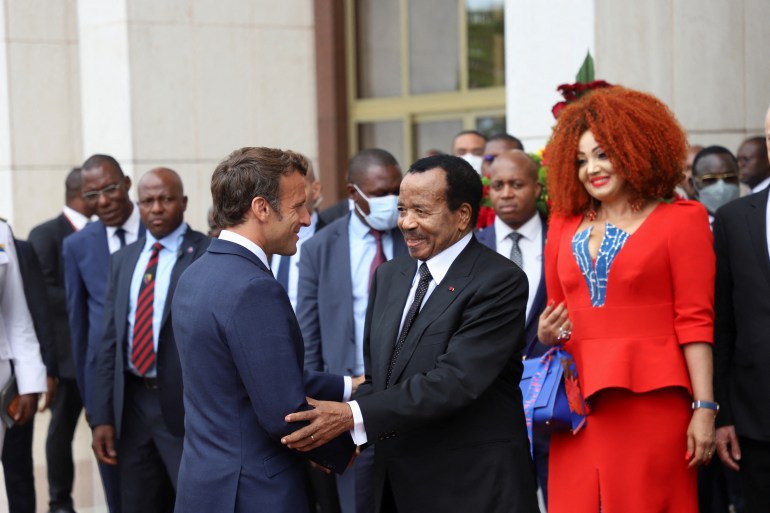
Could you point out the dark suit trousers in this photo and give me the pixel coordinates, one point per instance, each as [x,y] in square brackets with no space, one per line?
[755,474]
[65,413]
[18,468]
[148,455]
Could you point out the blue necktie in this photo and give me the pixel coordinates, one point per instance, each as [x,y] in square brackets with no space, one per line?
[121,233]
[283,272]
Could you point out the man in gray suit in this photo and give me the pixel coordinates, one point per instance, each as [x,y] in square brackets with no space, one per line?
[334,276]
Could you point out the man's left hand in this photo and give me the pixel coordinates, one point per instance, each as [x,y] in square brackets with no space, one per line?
[328,420]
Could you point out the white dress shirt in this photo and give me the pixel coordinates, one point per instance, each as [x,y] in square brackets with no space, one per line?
[131,227]
[531,246]
[167,258]
[260,253]
[761,186]
[76,219]
[438,266]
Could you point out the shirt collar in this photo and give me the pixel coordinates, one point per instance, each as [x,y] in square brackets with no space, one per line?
[76,219]
[171,242]
[246,243]
[358,229]
[439,264]
[528,230]
[130,226]
[761,186]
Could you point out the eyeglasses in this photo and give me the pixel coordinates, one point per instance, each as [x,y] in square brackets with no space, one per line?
[111,192]
[711,179]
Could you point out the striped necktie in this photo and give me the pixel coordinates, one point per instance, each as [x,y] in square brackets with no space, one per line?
[143,348]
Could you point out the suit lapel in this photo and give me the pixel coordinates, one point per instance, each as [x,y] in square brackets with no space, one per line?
[123,292]
[441,298]
[339,252]
[184,257]
[387,324]
[756,220]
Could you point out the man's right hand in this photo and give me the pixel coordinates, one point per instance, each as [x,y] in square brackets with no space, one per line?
[103,444]
[728,448]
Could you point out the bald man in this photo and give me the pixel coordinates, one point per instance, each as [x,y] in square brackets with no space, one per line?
[518,233]
[137,413]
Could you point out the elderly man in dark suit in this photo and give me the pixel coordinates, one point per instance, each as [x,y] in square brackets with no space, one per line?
[335,273]
[741,348]
[443,334]
[136,408]
[241,349]
[86,267]
[47,240]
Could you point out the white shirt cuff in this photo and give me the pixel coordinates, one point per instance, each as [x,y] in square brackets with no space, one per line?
[347,388]
[358,433]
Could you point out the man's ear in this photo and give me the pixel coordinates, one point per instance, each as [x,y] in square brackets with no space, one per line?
[261,209]
[464,216]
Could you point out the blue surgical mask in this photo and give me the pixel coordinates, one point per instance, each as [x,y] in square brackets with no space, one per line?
[383,211]
[715,195]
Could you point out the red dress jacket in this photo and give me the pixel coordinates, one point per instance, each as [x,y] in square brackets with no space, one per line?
[660,294]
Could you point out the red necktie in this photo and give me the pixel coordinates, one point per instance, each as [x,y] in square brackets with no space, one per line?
[379,254]
[143,349]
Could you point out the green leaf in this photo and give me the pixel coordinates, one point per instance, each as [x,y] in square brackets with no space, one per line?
[586,72]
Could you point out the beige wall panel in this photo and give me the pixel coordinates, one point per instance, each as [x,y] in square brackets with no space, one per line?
[709,64]
[225,91]
[163,11]
[41,19]
[757,78]
[163,92]
[94,13]
[39,194]
[634,45]
[285,116]
[291,13]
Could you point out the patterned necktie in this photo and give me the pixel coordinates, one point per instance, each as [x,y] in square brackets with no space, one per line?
[516,256]
[379,254]
[283,271]
[121,233]
[422,288]
[142,348]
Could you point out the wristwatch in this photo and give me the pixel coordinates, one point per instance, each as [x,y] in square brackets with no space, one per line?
[705,404]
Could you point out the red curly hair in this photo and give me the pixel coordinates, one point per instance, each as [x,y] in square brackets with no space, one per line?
[642,139]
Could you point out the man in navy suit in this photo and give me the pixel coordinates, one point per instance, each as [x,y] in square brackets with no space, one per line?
[47,240]
[241,348]
[136,408]
[518,233]
[335,271]
[86,265]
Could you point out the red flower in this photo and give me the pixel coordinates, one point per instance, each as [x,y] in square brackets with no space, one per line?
[556,110]
[486,217]
[574,397]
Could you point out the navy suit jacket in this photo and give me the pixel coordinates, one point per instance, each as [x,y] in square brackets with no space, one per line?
[325,298]
[241,353]
[488,237]
[109,381]
[86,272]
[47,240]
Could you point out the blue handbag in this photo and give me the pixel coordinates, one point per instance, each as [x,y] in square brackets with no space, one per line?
[551,393]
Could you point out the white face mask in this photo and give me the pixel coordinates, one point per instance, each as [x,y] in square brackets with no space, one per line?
[474,160]
[383,211]
[715,195]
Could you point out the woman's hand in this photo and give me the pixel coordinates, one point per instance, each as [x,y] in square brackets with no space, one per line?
[701,437]
[554,326]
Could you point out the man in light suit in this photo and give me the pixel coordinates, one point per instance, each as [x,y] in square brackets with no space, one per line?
[47,240]
[241,349]
[741,349]
[444,330]
[518,233]
[335,272]
[137,414]
[86,273]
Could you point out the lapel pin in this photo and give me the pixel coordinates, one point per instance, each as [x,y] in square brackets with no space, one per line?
[451,289]
[189,249]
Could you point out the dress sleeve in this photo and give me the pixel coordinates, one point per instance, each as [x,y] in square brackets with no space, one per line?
[693,266]
[552,241]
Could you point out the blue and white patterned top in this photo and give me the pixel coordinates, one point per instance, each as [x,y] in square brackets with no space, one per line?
[596,274]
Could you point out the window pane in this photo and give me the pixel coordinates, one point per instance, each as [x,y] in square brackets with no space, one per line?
[486,48]
[378,48]
[388,135]
[434,44]
[491,125]
[436,135]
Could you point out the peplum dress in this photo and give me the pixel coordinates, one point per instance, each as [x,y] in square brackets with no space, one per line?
[646,295]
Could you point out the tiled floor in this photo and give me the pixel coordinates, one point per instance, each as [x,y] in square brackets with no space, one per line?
[87,495]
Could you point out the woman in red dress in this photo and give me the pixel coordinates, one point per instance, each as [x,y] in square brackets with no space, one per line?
[630,281]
